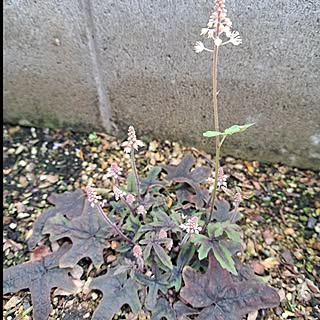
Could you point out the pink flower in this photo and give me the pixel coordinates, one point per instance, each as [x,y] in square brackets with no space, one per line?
[191,226]
[118,193]
[114,171]
[222,178]
[163,234]
[237,198]
[137,251]
[130,199]
[92,196]
[132,142]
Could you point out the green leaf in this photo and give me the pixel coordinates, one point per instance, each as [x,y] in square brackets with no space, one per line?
[236,129]
[164,258]
[224,256]
[131,183]
[232,230]
[210,134]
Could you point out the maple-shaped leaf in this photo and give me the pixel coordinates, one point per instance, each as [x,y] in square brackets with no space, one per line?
[158,281]
[222,212]
[185,194]
[182,173]
[69,204]
[151,180]
[221,297]
[40,277]
[87,232]
[162,310]
[117,290]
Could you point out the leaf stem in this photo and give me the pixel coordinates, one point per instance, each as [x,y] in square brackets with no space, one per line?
[216,128]
[113,225]
[134,167]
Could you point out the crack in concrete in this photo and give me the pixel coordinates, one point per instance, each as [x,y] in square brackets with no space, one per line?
[104,103]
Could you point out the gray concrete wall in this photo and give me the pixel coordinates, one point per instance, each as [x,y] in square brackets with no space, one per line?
[109,64]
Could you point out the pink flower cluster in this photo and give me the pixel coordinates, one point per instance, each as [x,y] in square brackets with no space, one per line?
[92,196]
[191,226]
[114,171]
[222,178]
[132,142]
[137,251]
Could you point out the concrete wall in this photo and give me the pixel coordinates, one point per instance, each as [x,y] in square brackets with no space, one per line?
[109,64]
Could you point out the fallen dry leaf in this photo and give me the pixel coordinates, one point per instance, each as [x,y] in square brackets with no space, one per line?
[270,262]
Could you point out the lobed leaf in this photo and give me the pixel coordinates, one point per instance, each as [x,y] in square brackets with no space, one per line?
[117,291]
[40,277]
[68,204]
[221,297]
[87,232]
[182,173]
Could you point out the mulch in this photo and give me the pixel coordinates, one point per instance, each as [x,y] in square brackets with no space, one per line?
[281,211]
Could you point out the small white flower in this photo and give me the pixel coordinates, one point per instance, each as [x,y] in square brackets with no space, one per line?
[228,22]
[204,31]
[217,42]
[235,38]
[227,31]
[141,210]
[199,47]
[210,33]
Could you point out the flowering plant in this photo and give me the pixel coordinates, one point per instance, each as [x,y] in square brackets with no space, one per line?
[176,245]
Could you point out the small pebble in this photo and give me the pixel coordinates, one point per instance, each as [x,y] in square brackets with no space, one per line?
[23,215]
[12,225]
[22,163]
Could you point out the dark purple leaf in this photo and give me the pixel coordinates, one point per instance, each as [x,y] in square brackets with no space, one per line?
[223,298]
[151,180]
[117,290]
[87,232]
[182,173]
[40,277]
[69,204]
[157,282]
[163,310]
[222,212]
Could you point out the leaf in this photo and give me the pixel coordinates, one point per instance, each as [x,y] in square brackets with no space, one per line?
[155,283]
[221,297]
[161,254]
[163,310]
[117,290]
[236,128]
[131,183]
[222,213]
[182,173]
[219,248]
[210,134]
[87,232]
[69,204]
[232,230]
[150,180]
[40,277]
[185,194]
[186,253]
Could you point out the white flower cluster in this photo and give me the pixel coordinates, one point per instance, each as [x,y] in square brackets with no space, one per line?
[217,25]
